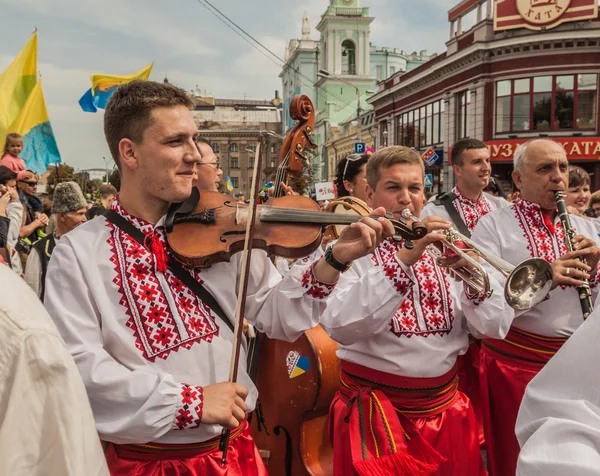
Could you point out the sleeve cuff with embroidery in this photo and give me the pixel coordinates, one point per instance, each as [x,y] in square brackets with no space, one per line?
[189,410]
[475,298]
[395,271]
[313,287]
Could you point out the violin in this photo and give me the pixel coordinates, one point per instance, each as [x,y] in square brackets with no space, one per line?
[290,226]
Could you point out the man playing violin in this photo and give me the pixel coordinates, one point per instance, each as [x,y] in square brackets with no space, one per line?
[155,357]
[529,228]
[401,324]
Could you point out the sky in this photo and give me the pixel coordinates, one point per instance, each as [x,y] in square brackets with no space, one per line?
[78,38]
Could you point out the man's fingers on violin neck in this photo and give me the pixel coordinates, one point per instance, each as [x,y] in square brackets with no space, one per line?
[379,211]
[388,228]
[372,223]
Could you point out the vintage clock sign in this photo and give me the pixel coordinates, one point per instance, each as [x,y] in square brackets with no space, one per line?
[541,14]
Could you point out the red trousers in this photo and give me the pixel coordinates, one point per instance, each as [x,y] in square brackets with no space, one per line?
[468,383]
[506,368]
[243,459]
[451,433]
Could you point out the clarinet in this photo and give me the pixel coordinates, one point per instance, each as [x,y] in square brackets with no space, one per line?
[585,294]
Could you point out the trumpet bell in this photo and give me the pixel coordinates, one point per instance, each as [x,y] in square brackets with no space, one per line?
[528,284]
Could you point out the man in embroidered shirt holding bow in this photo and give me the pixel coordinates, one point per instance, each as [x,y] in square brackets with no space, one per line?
[153,355]
[401,324]
[463,207]
[530,228]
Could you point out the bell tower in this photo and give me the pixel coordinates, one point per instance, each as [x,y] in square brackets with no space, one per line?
[345,38]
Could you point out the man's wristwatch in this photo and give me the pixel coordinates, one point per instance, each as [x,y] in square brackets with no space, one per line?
[335,264]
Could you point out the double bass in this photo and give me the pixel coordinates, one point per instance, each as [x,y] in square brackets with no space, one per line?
[296,381]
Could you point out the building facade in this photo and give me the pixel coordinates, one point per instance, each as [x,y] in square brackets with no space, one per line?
[526,69]
[233,127]
[338,71]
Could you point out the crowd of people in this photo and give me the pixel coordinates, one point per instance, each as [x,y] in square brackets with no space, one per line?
[125,368]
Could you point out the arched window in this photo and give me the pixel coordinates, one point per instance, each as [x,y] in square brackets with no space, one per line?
[348,57]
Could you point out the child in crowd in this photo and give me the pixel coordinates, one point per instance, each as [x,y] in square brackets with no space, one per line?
[13,146]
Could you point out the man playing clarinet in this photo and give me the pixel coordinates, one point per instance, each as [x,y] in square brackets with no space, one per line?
[529,228]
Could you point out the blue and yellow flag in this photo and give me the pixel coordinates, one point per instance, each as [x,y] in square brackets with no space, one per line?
[103,85]
[16,84]
[33,123]
[228,184]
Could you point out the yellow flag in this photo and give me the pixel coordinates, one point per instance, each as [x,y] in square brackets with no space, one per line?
[33,123]
[16,83]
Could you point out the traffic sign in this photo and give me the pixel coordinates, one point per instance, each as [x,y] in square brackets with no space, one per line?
[359,147]
[428,180]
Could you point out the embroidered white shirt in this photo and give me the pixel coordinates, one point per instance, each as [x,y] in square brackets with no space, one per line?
[145,344]
[470,211]
[407,321]
[519,232]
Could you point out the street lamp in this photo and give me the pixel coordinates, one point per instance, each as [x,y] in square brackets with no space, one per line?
[326,74]
[106,162]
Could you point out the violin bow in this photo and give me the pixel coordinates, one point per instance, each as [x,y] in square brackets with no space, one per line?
[242,290]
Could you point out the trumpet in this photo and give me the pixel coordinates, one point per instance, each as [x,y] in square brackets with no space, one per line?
[527,284]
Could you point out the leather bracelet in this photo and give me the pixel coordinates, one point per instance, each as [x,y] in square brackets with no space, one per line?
[335,264]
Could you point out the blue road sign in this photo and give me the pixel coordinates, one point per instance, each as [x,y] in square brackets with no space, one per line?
[359,147]
[428,180]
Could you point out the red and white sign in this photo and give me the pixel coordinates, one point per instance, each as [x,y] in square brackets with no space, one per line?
[541,14]
[580,148]
[324,191]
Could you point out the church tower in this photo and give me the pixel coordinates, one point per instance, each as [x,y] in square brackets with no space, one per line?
[345,39]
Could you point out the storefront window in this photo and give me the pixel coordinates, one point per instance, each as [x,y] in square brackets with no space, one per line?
[546,103]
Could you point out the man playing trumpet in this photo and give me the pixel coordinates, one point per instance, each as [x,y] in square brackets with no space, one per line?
[401,324]
[531,228]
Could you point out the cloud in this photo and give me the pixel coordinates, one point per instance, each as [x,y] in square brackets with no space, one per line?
[82,37]
[133,18]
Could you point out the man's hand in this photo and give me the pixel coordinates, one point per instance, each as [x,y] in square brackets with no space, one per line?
[4,199]
[361,238]
[569,271]
[224,404]
[410,257]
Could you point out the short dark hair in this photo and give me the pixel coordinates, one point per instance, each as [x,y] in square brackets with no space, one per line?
[106,190]
[354,166]
[578,177]
[461,146]
[129,109]
[204,140]
[6,175]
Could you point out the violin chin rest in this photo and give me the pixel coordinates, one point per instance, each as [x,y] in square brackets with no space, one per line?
[183,208]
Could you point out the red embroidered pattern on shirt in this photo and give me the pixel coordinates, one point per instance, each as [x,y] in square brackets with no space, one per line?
[540,241]
[157,325]
[189,413]
[315,288]
[433,312]
[470,212]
